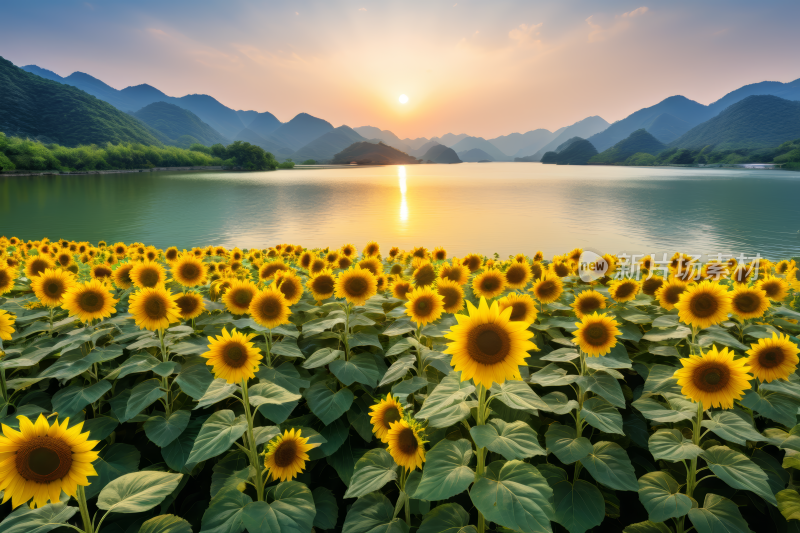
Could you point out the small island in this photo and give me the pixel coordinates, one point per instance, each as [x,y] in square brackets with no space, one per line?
[367,153]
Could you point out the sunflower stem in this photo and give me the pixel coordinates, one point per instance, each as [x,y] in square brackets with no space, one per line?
[251,441]
[51,320]
[481,451]
[268,339]
[346,331]
[165,384]
[3,387]
[87,521]
[691,483]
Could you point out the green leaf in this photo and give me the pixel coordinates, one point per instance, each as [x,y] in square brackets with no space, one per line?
[137,492]
[605,385]
[738,471]
[720,336]
[224,513]
[291,510]
[602,415]
[218,390]
[142,395]
[327,508]
[518,395]
[558,403]
[515,495]
[561,440]
[398,369]
[781,408]
[647,527]
[731,426]
[162,431]
[552,376]
[718,515]
[399,327]
[609,464]
[134,365]
[70,401]
[327,404]
[447,400]
[409,386]
[446,471]
[661,379]
[114,461]
[670,444]
[653,410]
[447,518]
[578,507]
[321,357]
[287,348]
[176,453]
[100,428]
[373,513]
[374,470]
[166,523]
[217,435]
[194,377]
[344,462]
[515,440]
[789,504]
[616,358]
[270,394]
[660,494]
[658,334]
[359,369]
[41,520]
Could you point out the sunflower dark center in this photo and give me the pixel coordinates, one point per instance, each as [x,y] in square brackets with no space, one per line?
[518,311]
[171,254]
[546,289]
[771,288]
[561,270]
[711,377]
[589,304]
[53,288]
[44,459]
[704,305]
[596,334]
[391,415]
[125,275]
[289,289]
[318,265]
[356,286]
[423,307]
[269,308]
[490,284]
[515,274]
[771,358]
[235,355]
[323,284]
[102,272]
[425,275]
[190,272]
[187,304]
[286,453]
[624,290]
[488,345]
[450,297]
[4,278]
[673,294]
[407,441]
[91,301]
[38,266]
[242,297]
[745,302]
[154,307]
[454,274]
[149,277]
[650,286]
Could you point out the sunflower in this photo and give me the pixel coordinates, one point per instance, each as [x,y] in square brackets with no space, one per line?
[424,275]
[51,285]
[784,266]
[6,325]
[147,274]
[64,258]
[704,304]
[89,300]
[401,288]
[190,305]
[7,277]
[548,289]
[269,308]
[120,248]
[239,295]
[454,272]
[218,286]
[472,262]
[188,270]
[286,455]
[122,276]
[486,346]
[420,252]
[748,302]
[291,286]
[652,284]
[322,285]
[596,334]
[356,285]
[384,413]
[742,274]
[36,265]
[523,308]
[518,275]
[537,271]
[268,270]
[349,251]
[624,290]
[305,259]
[588,302]
[670,293]
[489,283]
[439,254]
[317,265]
[343,262]
[714,378]
[424,305]
[776,288]
[232,356]
[405,444]
[560,269]
[154,308]
[452,295]
[41,460]
[371,249]
[774,358]
[331,258]
[101,272]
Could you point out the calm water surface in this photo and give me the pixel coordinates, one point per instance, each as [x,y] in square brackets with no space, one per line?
[479,207]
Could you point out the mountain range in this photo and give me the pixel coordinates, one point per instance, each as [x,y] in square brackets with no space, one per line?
[307,137]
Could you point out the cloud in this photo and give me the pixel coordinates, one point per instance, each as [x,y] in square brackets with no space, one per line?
[526,35]
[362,9]
[636,12]
[296,13]
[156,31]
[598,32]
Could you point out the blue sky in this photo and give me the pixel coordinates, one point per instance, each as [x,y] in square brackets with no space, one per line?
[483,68]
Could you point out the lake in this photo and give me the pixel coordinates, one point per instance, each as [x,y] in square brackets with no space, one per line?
[470,207]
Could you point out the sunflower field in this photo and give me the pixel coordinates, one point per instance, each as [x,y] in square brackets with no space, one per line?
[297,390]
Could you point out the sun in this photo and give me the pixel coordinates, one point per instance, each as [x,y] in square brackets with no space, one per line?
[403,99]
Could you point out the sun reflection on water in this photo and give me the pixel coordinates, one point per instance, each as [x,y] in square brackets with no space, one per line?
[401,173]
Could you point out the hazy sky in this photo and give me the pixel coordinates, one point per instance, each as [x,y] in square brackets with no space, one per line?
[485,68]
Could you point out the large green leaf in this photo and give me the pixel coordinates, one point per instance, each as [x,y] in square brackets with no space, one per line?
[266,393]
[552,376]
[647,526]
[515,495]
[161,431]
[578,507]
[142,395]
[327,404]
[558,403]
[609,464]
[41,520]
[446,471]
[359,369]
[605,385]
[70,401]
[515,440]
[738,471]
[776,406]
[398,369]
[100,428]
[446,518]
[670,444]
[114,461]
[446,404]
[720,336]
[137,492]
[326,507]
[653,410]
[518,395]
[291,511]
[321,357]
[166,523]
[217,435]
[789,504]
[661,379]
[194,377]
[373,513]
[374,470]
[660,494]
[718,515]
[218,390]
[176,453]
[602,415]
[561,440]
[224,513]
